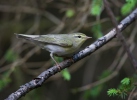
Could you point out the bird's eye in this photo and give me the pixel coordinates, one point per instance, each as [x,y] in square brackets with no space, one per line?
[79,36]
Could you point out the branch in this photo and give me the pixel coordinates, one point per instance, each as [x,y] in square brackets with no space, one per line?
[37,82]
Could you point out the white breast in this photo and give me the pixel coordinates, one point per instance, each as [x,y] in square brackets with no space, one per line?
[60,51]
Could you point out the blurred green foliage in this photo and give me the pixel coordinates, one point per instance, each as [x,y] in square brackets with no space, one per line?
[95,91]
[128,6]
[96,7]
[5,80]
[112,92]
[125,81]
[66,75]
[96,29]
[124,88]
[11,55]
[70,13]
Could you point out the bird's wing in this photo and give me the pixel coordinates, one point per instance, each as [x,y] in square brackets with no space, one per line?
[53,40]
[47,39]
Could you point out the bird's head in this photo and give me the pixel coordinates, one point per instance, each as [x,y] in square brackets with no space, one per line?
[79,38]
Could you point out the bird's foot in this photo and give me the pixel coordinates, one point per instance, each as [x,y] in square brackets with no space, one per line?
[58,67]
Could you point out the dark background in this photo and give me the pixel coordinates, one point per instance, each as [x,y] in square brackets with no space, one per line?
[21,61]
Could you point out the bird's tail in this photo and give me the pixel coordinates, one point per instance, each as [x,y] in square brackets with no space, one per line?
[27,37]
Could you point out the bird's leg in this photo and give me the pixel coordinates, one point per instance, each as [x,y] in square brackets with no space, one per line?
[51,55]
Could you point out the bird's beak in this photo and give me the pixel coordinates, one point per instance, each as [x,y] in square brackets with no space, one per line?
[88,37]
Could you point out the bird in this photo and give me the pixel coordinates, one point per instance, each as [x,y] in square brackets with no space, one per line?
[61,45]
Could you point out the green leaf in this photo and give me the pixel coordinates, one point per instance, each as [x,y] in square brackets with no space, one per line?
[112,92]
[127,7]
[70,13]
[10,55]
[125,81]
[66,75]
[96,7]
[96,10]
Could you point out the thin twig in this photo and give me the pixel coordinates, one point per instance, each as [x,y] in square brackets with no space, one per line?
[131,94]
